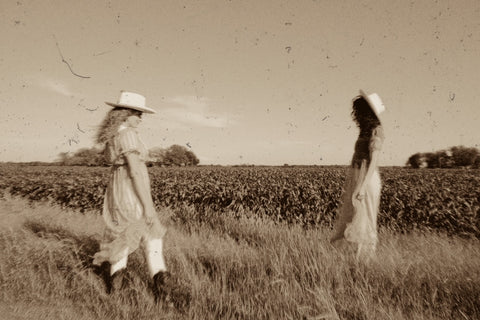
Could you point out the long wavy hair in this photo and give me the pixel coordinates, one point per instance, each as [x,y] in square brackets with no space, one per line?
[109,126]
[364,116]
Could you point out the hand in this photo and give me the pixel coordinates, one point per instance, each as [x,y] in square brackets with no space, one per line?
[150,216]
[149,221]
[360,195]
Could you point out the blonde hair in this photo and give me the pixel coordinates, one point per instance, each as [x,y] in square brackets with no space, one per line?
[109,126]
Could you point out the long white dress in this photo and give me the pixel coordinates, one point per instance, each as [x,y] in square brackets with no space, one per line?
[357,219]
[122,210]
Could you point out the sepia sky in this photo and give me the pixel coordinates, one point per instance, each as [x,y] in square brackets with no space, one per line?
[241,81]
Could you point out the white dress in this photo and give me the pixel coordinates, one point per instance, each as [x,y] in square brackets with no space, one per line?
[122,209]
[357,219]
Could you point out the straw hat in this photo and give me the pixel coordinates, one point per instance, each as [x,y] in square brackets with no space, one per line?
[132,101]
[374,102]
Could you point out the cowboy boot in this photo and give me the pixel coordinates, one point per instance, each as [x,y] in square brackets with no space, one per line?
[119,281]
[103,271]
[158,286]
[171,292]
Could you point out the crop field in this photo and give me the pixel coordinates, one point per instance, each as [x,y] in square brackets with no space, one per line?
[447,201]
[243,243]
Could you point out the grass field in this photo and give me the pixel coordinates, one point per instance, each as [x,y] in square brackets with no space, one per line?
[231,268]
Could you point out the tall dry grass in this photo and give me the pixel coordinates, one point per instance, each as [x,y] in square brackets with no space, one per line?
[230,268]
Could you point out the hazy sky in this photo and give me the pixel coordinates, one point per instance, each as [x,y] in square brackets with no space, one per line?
[254,81]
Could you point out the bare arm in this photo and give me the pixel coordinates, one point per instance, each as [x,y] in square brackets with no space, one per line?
[142,192]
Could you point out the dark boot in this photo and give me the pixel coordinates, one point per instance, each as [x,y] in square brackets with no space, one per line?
[158,286]
[170,291]
[119,281]
[104,272]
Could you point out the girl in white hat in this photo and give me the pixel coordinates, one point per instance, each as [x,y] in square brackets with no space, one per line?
[128,210]
[357,217]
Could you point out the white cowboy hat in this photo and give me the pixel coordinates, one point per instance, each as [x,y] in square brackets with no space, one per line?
[374,102]
[132,101]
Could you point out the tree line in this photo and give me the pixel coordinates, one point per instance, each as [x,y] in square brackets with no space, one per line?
[454,157]
[174,155]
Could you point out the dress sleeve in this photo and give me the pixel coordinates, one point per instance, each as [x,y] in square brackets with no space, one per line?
[128,141]
[376,142]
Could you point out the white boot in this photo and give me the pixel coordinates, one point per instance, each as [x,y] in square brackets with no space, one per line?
[121,264]
[156,263]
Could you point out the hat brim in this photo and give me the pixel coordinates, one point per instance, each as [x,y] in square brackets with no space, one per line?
[372,104]
[138,108]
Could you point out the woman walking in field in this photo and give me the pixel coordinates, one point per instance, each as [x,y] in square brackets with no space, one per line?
[357,219]
[128,209]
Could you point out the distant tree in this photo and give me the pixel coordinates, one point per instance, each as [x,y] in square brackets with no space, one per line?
[415,160]
[476,165]
[175,155]
[192,158]
[83,157]
[63,157]
[88,157]
[454,157]
[445,159]
[432,159]
[180,156]
[157,156]
[463,156]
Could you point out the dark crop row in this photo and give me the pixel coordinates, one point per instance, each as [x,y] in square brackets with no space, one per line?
[439,200]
